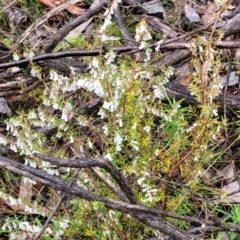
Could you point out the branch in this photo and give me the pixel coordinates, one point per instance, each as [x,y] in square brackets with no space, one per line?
[44,18]
[178,91]
[62,33]
[110,185]
[21,91]
[232,26]
[89,163]
[118,50]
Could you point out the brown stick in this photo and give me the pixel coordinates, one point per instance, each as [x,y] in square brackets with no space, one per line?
[62,33]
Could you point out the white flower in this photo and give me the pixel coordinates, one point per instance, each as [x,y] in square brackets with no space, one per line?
[13,201]
[13,147]
[135,145]
[158,45]
[32,164]
[82,122]
[95,63]
[118,140]
[15,56]
[28,54]
[35,72]
[3,141]
[105,129]
[56,106]
[140,180]
[148,54]
[53,75]
[111,214]
[32,115]
[51,171]
[107,21]
[142,32]
[71,139]
[90,144]
[110,56]
[215,112]
[31,54]
[64,223]
[25,226]
[59,135]
[119,120]
[64,116]
[155,112]
[147,129]
[214,137]
[110,106]
[28,180]
[58,234]
[72,69]
[157,152]
[6,226]
[67,112]
[145,74]
[159,92]
[134,126]
[108,156]
[196,159]
[107,38]
[42,116]
[90,85]
[143,45]
[136,75]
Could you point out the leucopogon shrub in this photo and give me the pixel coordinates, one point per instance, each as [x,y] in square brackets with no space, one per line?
[145,137]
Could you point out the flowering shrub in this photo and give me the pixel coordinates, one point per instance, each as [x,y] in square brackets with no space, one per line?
[145,137]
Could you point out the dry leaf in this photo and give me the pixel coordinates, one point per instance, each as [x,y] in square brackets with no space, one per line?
[191,14]
[226,173]
[47,3]
[73,9]
[76,32]
[206,175]
[155,9]
[209,13]
[228,189]
[50,4]
[219,3]
[76,10]
[233,79]
[184,70]
[25,191]
[21,206]
[4,108]
[185,81]
[81,28]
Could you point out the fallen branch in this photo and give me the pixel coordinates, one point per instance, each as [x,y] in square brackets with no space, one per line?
[62,33]
[118,50]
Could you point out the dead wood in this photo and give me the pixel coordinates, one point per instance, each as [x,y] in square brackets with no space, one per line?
[231,26]
[181,92]
[56,38]
[63,65]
